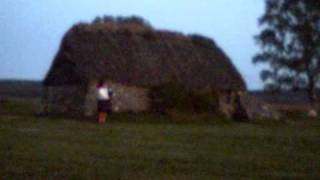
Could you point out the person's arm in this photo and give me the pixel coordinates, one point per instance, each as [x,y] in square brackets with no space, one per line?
[111,93]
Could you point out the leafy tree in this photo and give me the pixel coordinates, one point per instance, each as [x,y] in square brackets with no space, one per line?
[290,45]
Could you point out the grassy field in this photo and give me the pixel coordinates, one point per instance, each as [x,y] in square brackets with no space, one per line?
[152,148]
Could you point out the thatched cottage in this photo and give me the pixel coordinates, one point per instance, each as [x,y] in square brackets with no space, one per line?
[133,56]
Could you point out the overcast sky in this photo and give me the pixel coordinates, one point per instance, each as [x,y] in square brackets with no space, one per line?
[31,30]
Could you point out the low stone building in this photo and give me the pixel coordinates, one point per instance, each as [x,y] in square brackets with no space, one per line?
[132,57]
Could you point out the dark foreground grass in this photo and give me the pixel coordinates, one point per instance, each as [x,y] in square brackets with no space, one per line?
[43,148]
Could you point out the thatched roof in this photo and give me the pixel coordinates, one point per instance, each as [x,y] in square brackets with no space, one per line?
[136,54]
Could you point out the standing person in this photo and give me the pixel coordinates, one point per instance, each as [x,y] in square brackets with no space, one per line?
[104,101]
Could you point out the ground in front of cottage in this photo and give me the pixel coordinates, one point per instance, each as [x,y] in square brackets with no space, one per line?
[136,147]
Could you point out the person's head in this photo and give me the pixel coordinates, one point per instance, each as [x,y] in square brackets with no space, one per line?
[100,83]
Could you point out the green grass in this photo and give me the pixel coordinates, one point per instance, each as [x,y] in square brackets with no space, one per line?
[148,147]
[20,106]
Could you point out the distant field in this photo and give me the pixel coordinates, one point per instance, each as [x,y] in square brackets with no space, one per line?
[41,148]
[20,89]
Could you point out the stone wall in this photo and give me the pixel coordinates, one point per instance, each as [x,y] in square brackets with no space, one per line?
[125,98]
[256,109]
[227,103]
[80,100]
[243,106]
[65,100]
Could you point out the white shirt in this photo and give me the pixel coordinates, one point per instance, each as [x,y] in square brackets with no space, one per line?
[103,93]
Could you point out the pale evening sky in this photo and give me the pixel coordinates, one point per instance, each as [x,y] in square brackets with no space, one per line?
[31,31]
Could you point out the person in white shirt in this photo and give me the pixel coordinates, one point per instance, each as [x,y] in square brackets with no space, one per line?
[104,101]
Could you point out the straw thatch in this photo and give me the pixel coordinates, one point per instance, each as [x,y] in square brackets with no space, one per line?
[136,54]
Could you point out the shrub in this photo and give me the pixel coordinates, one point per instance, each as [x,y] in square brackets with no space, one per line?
[166,96]
[173,96]
[202,101]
